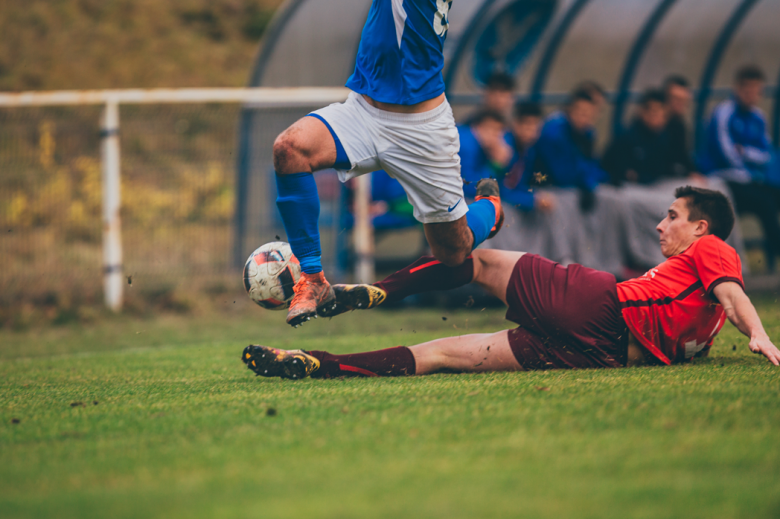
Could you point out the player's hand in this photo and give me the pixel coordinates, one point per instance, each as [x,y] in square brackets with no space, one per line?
[765,347]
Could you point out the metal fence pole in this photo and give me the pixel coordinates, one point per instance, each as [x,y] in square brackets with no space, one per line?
[112,232]
[363,231]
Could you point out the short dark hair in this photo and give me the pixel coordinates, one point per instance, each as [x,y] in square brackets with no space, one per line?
[592,87]
[500,81]
[579,94]
[652,95]
[709,205]
[527,109]
[749,73]
[484,114]
[676,80]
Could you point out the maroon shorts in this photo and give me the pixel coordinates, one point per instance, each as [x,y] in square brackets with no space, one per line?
[569,317]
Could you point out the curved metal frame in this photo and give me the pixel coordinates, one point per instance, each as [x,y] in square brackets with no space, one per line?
[716,55]
[552,48]
[776,115]
[632,62]
[457,56]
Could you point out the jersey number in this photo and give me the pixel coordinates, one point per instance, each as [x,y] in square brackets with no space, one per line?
[441,21]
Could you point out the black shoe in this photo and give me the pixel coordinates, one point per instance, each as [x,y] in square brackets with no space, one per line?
[272,362]
[353,297]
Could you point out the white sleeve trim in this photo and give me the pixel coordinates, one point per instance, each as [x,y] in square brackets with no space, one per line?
[399,17]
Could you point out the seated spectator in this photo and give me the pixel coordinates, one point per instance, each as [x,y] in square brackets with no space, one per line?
[678,101]
[516,184]
[644,152]
[564,151]
[597,93]
[484,152]
[499,93]
[738,150]
[498,96]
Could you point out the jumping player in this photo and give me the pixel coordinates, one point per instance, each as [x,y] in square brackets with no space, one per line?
[397,119]
[569,317]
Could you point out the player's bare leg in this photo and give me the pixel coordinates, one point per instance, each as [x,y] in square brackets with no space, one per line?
[466,353]
[303,148]
[452,242]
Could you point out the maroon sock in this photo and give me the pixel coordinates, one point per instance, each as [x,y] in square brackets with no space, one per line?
[424,275]
[392,362]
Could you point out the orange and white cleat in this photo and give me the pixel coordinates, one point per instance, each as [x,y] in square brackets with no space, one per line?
[312,291]
[488,188]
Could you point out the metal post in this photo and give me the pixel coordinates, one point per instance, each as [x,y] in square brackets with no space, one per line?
[112,233]
[363,231]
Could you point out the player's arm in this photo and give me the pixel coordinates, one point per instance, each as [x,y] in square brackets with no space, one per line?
[742,314]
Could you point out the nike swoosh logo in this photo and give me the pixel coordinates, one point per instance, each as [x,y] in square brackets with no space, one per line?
[450,209]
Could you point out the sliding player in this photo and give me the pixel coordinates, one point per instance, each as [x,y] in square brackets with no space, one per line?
[569,317]
[397,119]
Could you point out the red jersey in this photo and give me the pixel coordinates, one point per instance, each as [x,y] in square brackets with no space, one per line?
[671,309]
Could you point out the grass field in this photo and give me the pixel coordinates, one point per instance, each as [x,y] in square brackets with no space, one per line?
[158,418]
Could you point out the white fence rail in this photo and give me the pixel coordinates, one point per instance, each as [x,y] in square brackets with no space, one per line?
[113,276]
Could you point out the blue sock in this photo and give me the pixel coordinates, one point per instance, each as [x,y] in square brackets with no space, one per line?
[481,219]
[299,204]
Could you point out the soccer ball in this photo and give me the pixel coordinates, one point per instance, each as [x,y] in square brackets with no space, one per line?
[270,273]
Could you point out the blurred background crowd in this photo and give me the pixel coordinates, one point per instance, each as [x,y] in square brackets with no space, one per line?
[567,202]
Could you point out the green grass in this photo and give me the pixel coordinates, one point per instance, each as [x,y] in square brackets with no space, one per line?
[182,429]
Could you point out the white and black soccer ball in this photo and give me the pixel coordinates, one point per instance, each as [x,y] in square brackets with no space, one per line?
[270,273]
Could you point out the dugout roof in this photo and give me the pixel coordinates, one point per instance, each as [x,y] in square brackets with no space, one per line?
[548,45]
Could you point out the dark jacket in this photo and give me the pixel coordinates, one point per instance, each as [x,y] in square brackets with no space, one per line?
[649,154]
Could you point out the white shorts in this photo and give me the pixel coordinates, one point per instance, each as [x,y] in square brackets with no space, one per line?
[419,150]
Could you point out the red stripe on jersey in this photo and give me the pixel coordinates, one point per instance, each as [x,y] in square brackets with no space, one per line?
[425,265]
[354,369]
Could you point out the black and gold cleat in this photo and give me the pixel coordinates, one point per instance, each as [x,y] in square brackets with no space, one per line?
[353,297]
[272,362]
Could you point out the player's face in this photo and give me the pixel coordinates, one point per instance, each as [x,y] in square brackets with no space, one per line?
[678,98]
[526,129]
[654,116]
[749,92]
[582,115]
[677,233]
[499,100]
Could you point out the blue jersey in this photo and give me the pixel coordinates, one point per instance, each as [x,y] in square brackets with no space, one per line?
[737,143]
[400,57]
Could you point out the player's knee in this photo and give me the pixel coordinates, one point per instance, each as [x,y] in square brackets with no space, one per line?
[288,157]
[451,257]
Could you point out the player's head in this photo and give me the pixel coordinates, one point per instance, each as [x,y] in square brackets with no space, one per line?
[696,212]
[748,85]
[581,110]
[596,91]
[678,95]
[488,125]
[498,94]
[652,109]
[526,122]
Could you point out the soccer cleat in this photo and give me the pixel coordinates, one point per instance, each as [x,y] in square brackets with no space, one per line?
[272,362]
[312,291]
[488,188]
[353,297]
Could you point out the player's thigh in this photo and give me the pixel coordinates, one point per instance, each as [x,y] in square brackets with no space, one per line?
[306,146]
[470,353]
[424,159]
[493,269]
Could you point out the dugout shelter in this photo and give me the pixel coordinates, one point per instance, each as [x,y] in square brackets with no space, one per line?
[547,45]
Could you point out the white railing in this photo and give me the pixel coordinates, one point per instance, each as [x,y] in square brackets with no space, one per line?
[113,279]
